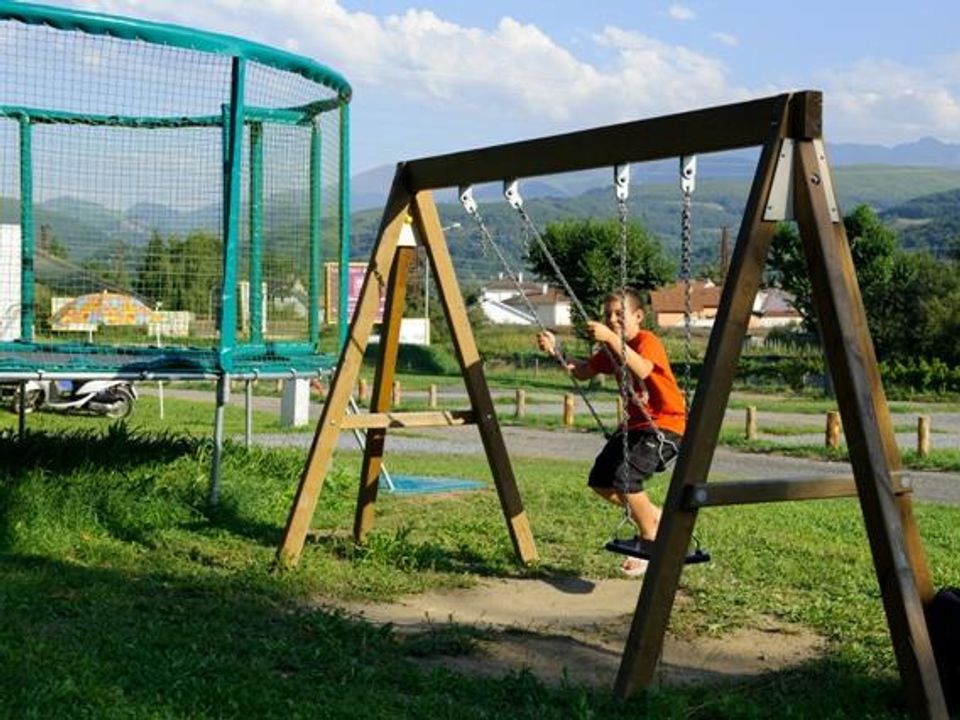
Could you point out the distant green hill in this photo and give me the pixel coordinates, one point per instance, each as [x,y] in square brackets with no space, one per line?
[930,222]
[921,202]
[717,203]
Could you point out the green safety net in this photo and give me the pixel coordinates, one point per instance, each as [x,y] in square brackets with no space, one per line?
[170,201]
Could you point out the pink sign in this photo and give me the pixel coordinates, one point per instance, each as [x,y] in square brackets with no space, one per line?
[356,273]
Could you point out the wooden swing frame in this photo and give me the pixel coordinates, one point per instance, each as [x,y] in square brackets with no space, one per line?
[788,129]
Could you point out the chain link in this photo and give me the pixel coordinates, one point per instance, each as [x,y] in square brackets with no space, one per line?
[624,380]
[686,232]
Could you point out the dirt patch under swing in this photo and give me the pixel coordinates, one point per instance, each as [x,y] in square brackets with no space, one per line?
[574,630]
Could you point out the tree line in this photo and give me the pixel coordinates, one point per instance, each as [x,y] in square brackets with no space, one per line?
[911,298]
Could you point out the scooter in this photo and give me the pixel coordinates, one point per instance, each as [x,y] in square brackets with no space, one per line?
[110,398]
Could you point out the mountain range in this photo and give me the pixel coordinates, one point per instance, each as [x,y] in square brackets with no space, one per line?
[369,188]
[916,187]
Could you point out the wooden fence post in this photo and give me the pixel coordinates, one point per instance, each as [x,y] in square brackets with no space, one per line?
[751,428]
[361,391]
[521,410]
[396,398]
[923,436]
[432,396]
[568,409]
[833,429]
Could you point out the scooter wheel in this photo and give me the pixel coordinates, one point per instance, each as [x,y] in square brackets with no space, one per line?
[122,405]
[33,400]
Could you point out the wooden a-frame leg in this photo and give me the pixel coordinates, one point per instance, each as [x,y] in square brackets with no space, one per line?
[898,557]
[328,427]
[652,614]
[428,222]
[382,390]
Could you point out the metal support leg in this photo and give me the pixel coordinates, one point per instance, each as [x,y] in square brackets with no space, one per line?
[222,385]
[361,441]
[248,425]
[22,413]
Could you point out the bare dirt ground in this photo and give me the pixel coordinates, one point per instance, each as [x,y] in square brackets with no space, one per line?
[574,630]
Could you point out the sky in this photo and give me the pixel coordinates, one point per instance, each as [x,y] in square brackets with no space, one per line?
[434,76]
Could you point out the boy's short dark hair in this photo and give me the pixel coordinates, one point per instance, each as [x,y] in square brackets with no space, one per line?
[634,298]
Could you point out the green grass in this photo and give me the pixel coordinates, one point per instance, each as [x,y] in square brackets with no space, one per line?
[182,416]
[123,595]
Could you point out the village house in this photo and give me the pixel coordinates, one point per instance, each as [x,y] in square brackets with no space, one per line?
[771,307]
[502,303]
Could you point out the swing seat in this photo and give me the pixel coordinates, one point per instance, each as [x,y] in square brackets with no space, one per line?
[639,548]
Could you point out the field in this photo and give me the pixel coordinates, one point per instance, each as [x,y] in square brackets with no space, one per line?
[124,595]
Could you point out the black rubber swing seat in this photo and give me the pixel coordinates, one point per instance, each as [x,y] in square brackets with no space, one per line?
[639,548]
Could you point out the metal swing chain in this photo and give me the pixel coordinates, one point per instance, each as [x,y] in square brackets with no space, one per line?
[621,177]
[512,193]
[688,181]
[621,183]
[470,206]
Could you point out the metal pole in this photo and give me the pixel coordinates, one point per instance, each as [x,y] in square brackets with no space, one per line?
[22,413]
[26,231]
[358,436]
[343,322]
[222,385]
[316,181]
[426,288]
[233,143]
[248,426]
[256,232]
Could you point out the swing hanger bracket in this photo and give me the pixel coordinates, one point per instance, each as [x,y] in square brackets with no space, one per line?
[466,199]
[621,182]
[511,191]
[688,173]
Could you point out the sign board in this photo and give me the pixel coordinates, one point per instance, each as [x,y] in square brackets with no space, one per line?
[414,331]
[357,272]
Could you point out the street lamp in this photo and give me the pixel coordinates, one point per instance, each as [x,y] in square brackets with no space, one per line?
[426,275]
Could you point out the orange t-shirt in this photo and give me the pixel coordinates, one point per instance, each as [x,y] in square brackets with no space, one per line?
[659,392]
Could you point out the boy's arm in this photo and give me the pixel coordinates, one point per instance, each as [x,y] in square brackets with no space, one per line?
[635,362]
[580,369]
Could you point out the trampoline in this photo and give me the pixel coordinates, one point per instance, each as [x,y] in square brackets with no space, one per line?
[198,177]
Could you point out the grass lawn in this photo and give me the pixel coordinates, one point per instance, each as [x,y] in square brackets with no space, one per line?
[124,596]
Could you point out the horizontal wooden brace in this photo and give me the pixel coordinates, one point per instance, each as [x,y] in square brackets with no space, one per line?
[428,418]
[746,492]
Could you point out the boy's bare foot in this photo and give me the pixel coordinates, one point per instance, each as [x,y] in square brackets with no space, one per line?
[634,567]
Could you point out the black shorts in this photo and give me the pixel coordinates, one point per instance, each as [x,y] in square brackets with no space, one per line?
[645,457]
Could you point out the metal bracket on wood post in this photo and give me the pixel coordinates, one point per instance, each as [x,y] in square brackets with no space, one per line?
[780,202]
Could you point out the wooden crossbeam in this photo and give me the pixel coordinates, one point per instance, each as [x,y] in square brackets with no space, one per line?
[748,492]
[431,418]
[727,127]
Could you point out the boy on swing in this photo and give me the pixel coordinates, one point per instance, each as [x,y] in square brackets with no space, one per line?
[656,416]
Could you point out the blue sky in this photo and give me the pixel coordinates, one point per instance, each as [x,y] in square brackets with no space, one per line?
[432,76]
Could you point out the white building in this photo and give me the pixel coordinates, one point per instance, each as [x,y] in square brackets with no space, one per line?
[502,303]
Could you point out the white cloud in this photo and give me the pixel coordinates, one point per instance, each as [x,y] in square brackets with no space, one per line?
[514,75]
[879,100]
[681,12]
[727,39]
[514,66]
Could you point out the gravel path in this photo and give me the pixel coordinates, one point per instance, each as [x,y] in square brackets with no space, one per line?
[573,445]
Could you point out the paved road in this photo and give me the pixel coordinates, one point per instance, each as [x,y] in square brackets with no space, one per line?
[531,442]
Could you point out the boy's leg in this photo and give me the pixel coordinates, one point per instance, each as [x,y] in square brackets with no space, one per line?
[645,514]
